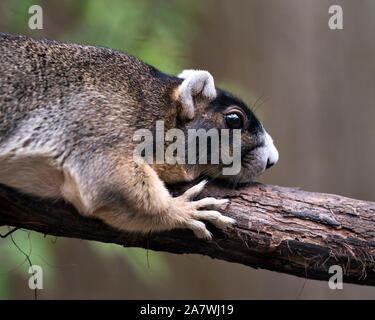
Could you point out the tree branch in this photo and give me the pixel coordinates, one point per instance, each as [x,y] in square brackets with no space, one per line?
[281,229]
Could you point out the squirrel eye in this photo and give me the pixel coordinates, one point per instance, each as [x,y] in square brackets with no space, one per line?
[234,120]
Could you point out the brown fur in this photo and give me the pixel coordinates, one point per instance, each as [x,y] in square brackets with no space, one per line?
[67,117]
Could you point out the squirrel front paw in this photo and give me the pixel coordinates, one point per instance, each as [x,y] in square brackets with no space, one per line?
[189,210]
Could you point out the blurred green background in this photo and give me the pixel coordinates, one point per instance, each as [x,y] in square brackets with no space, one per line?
[316,89]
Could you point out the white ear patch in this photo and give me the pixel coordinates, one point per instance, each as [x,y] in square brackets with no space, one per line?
[196,82]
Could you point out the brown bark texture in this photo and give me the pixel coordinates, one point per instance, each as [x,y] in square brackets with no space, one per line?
[281,229]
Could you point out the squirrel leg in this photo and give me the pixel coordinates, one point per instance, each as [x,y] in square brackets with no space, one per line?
[135,199]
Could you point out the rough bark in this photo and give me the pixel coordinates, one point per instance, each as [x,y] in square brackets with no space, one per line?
[281,229]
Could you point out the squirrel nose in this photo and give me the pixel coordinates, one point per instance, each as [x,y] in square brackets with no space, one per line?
[273,154]
[269,164]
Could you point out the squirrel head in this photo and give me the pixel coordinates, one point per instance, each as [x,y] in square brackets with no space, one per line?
[223,137]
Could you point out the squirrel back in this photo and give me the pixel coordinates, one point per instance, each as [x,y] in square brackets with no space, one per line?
[85,85]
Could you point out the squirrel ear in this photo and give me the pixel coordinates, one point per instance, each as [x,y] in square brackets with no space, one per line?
[196,82]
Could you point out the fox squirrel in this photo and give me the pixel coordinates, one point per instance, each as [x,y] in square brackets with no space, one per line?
[68,115]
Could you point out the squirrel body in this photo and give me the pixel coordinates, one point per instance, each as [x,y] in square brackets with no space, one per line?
[68,114]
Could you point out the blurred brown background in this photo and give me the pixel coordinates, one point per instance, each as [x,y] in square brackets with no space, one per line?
[317,89]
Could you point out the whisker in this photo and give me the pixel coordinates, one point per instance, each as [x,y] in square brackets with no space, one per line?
[256,101]
[261,104]
[236,181]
